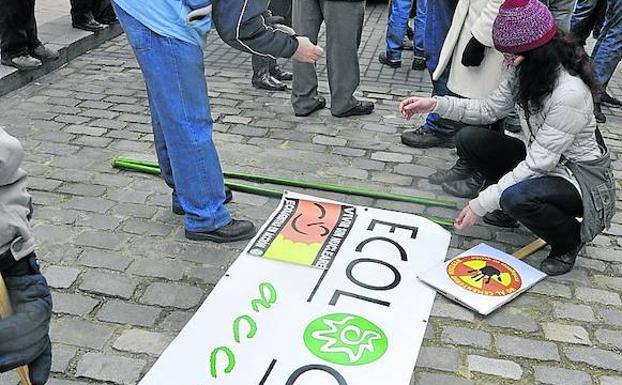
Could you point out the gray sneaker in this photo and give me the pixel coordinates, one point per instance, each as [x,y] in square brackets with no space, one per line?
[44,54]
[23,63]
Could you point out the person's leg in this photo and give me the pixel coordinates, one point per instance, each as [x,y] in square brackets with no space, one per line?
[582,21]
[14,19]
[344,26]
[420,25]
[396,29]
[562,11]
[174,74]
[306,18]
[548,206]
[489,152]
[608,50]
[103,12]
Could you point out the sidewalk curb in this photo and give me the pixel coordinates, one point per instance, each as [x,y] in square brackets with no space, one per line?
[70,43]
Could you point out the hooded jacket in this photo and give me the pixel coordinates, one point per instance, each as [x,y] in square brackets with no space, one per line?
[15,202]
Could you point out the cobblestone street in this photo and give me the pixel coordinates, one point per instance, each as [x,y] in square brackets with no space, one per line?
[125,280]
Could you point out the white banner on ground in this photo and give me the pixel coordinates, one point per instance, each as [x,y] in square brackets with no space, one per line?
[346,309]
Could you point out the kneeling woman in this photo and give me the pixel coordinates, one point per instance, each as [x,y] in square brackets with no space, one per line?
[560,172]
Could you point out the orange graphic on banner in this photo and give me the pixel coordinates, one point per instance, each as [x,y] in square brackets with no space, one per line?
[304,234]
[484,275]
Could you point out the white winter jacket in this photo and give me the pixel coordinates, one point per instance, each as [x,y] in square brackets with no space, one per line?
[564,126]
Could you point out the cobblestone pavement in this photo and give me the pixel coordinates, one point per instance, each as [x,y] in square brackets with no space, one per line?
[125,280]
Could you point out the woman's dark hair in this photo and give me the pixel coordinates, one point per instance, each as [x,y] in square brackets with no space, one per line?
[539,71]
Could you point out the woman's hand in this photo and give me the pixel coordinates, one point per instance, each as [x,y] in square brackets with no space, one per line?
[416,105]
[466,218]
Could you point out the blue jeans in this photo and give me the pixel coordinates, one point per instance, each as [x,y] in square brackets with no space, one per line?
[398,22]
[439,16]
[608,50]
[182,123]
[586,17]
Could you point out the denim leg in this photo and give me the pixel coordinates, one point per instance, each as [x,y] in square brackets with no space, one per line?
[582,21]
[420,19]
[548,207]
[439,16]
[562,10]
[608,50]
[396,28]
[174,73]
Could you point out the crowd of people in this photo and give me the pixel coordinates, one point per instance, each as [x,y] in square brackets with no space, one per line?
[513,90]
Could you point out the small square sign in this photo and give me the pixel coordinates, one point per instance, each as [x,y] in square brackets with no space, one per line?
[482,278]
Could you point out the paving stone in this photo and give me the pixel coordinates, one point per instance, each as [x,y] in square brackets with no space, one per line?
[106,367]
[611,338]
[613,317]
[74,304]
[111,284]
[160,268]
[595,357]
[511,318]
[80,333]
[414,170]
[148,228]
[438,358]
[172,295]
[128,313]
[559,376]
[495,367]
[445,309]
[61,277]
[391,157]
[610,380]
[104,259]
[101,240]
[80,129]
[97,205]
[572,334]
[613,283]
[587,294]
[176,320]
[605,254]
[142,342]
[573,312]
[551,289]
[61,356]
[9,378]
[329,140]
[526,348]
[466,336]
[438,379]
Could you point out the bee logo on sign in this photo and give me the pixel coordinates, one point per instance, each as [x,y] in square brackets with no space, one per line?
[484,275]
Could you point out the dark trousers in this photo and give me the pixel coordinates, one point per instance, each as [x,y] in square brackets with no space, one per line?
[262,64]
[18,28]
[547,205]
[98,8]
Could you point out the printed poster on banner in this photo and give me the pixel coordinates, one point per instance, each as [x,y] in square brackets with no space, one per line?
[325,294]
[482,278]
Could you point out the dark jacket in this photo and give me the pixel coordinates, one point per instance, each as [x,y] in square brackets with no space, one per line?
[242,25]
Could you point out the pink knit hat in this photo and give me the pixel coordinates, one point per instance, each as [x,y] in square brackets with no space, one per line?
[522,25]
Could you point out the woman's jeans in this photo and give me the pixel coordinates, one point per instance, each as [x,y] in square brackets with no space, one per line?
[608,50]
[182,124]
[398,22]
[547,205]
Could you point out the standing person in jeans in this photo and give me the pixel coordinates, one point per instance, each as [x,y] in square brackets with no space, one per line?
[167,37]
[344,25]
[267,74]
[396,29]
[552,83]
[24,336]
[19,44]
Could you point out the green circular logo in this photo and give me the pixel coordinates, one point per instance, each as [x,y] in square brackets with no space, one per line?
[345,339]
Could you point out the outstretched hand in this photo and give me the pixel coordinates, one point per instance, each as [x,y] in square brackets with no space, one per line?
[466,218]
[416,105]
[307,52]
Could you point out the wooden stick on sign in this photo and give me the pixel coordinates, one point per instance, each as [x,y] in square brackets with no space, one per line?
[5,311]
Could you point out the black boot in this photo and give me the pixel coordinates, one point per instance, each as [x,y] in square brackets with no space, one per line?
[458,171]
[560,264]
[236,230]
[467,188]
[267,82]
[86,22]
[279,74]
[500,219]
